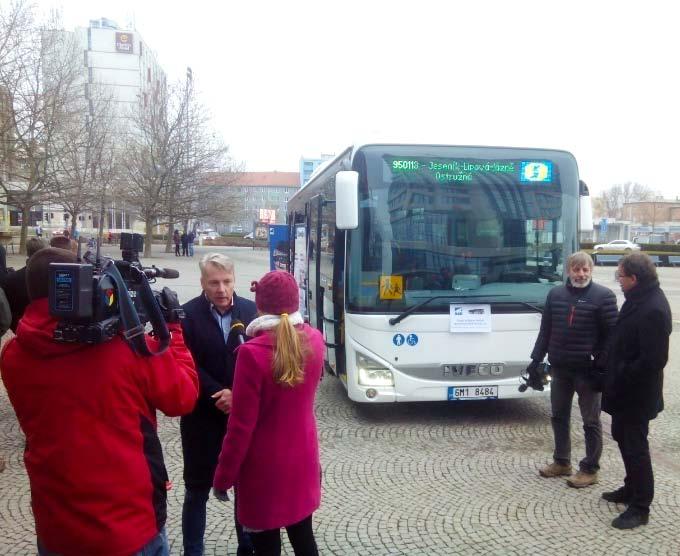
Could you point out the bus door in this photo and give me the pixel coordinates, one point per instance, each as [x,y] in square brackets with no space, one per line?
[330,261]
[298,257]
[314,306]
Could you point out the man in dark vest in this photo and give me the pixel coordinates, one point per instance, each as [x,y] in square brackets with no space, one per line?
[575,333]
[633,393]
[207,326]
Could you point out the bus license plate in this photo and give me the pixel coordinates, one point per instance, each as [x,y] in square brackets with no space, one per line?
[473,393]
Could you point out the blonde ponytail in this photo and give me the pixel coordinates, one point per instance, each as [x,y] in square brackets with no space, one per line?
[289,354]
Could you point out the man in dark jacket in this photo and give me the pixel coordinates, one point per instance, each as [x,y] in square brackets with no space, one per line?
[92,454]
[209,318]
[575,332]
[15,284]
[184,240]
[633,393]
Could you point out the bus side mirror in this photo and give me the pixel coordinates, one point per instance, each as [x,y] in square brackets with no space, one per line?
[347,200]
[585,208]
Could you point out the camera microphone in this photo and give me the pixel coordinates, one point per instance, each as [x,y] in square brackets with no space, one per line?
[158,272]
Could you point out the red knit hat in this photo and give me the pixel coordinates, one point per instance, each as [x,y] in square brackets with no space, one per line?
[276,292]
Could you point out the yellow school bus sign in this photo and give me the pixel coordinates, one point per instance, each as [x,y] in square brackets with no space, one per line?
[391,287]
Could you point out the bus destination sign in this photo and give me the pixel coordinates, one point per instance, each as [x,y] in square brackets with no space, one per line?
[465,170]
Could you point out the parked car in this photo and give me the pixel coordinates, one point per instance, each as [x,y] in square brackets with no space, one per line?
[617,245]
[208,234]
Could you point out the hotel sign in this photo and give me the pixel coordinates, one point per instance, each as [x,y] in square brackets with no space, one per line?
[124,42]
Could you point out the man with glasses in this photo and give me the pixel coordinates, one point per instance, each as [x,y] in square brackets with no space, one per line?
[633,393]
[575,331]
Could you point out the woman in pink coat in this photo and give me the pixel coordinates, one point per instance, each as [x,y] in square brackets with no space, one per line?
[271,451]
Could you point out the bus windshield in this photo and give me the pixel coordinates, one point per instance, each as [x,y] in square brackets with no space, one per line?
[494,225]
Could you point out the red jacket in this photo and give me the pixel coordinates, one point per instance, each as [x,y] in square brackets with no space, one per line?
[271,450]
[93,457]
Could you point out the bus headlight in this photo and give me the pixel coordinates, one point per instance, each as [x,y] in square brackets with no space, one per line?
[372,373]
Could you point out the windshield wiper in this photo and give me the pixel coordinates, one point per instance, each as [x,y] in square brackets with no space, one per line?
[417,306]
[525,303]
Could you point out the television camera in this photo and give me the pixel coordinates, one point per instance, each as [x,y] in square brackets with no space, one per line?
[536,376]
[96,299]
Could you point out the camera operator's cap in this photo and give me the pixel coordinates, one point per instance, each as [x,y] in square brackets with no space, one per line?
[276,292]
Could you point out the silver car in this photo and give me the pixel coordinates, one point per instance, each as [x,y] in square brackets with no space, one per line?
[617,245]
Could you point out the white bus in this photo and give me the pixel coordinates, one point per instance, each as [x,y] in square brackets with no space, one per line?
[426,267]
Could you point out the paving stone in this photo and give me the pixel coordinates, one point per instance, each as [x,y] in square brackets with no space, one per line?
[425,479]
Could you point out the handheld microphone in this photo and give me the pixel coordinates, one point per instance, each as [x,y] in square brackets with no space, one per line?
[239,329]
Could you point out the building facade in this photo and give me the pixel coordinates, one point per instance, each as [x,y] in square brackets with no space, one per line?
[656,221]
[309,165]
[258,196]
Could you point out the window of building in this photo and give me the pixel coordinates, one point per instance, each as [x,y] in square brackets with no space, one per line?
[148,75]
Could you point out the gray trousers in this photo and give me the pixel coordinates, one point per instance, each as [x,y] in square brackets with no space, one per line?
[562,388]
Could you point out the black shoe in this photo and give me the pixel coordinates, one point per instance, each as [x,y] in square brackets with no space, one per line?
[618,496]
[630,519]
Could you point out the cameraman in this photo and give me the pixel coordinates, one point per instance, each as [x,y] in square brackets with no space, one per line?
[576,328]
[93,457]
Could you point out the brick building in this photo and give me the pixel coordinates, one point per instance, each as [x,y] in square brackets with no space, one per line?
[256,192]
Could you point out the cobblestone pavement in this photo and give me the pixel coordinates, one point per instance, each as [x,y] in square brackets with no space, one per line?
[425,478]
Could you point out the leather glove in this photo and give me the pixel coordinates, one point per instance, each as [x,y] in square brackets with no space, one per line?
[533,367]
[170,307]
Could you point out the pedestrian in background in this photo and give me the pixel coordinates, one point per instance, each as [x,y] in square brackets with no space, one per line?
[633,393]
[175,240]
[207,325]
[271,452]
[575,332]
[191,236]
[184,240]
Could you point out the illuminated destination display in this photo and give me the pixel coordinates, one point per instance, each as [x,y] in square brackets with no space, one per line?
[465,170]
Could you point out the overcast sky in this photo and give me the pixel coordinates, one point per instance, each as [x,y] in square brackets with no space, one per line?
[283,79]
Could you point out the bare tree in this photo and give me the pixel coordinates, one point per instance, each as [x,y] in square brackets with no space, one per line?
[39,72]
[224,202]
[169,151]
[85,161]
[613,199]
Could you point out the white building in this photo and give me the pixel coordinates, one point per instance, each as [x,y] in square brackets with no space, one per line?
[309,165]
[121,63]
[120,60]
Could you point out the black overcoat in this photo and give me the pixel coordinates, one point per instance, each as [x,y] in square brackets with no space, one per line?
[203,429]
[639,352]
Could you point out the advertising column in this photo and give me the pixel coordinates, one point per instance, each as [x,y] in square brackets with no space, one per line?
[278,247]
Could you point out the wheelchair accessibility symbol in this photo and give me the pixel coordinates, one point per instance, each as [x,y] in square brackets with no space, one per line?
[412,339]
